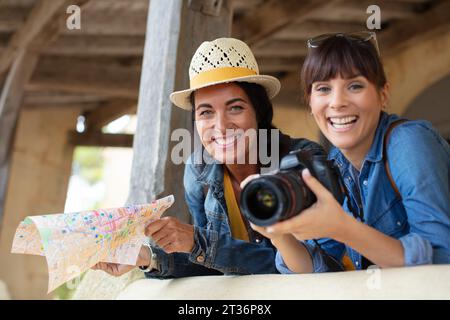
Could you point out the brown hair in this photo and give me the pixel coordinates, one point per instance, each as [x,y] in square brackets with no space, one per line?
[345,57]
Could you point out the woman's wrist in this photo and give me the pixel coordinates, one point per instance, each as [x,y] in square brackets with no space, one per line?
[147,258]
[344,228]
[283,240]
[294,253]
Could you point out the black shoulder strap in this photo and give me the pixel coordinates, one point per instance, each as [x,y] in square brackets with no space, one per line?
[386,164]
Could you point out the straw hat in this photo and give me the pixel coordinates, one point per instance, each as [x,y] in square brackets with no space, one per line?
[220,61]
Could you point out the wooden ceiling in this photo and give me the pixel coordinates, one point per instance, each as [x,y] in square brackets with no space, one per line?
[97,68]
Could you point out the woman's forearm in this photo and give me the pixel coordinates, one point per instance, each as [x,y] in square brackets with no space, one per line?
[381,249]
[294,254]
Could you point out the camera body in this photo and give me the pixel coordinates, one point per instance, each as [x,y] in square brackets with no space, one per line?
[279,196]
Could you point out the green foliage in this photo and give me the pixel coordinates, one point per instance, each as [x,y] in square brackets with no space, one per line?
[88,163]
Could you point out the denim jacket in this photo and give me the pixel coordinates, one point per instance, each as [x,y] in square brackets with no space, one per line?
[419,161]
[215,251]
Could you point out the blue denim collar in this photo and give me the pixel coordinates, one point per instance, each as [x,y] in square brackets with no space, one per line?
[210,171]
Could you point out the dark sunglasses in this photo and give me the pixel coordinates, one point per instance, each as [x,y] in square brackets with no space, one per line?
[361,36]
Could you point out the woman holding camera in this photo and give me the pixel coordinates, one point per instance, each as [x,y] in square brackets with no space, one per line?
[228,98]
[396,172]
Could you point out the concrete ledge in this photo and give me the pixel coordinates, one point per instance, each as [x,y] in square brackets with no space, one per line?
[423,282]
[4,294]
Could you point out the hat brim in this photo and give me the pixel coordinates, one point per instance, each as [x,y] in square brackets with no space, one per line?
[271,84]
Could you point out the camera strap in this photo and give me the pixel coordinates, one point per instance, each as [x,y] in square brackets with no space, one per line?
[364,261]
[385,159]
[332,263]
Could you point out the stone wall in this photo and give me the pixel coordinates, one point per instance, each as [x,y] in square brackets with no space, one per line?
[39,176]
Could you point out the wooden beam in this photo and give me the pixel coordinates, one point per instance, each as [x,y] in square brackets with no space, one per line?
[41,28]
[40,16]
[82,107]
[60,100]
[109,111]
[111,22]
[105,76]
[118,5]
[355,11]
[99,17]
[240,7]
[4,40]
[279,64]
[100,139]
[207,7]
[10,103]
[271,17]
[404,33]
[18,3]
[281,48]
[104,45]
[11,18]
[56,98]
[307,29]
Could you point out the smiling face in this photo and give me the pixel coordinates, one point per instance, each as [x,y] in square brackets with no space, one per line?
[347,112]
[345,84]
[223,117]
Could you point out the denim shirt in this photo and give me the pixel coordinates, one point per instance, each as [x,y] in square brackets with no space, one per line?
[419,161]
[215,250]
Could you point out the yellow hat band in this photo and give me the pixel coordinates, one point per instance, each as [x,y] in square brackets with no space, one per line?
[220,74]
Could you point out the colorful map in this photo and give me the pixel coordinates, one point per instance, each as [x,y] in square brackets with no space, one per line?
[74,242]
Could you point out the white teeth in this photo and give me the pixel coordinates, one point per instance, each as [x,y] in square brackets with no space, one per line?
[343,120]
[227,140]
[341,126]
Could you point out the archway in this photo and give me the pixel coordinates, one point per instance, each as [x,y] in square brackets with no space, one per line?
[433,105]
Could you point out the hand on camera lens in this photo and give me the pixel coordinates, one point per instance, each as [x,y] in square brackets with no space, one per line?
[324,219]
[263,231]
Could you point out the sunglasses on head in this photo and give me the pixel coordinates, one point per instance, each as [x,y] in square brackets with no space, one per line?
[361,36]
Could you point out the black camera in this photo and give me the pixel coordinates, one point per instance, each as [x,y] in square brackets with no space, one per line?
[274,197]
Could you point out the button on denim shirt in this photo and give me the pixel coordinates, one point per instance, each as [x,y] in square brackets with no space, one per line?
[419,161]
[215,251]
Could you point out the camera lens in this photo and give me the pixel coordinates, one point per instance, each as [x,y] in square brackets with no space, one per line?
[269,199]
[263,201]
[282,195]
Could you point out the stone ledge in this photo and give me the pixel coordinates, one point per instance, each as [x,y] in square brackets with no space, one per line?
[4,294]
[423,282]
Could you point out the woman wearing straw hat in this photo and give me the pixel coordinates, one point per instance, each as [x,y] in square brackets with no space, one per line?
[227,97]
